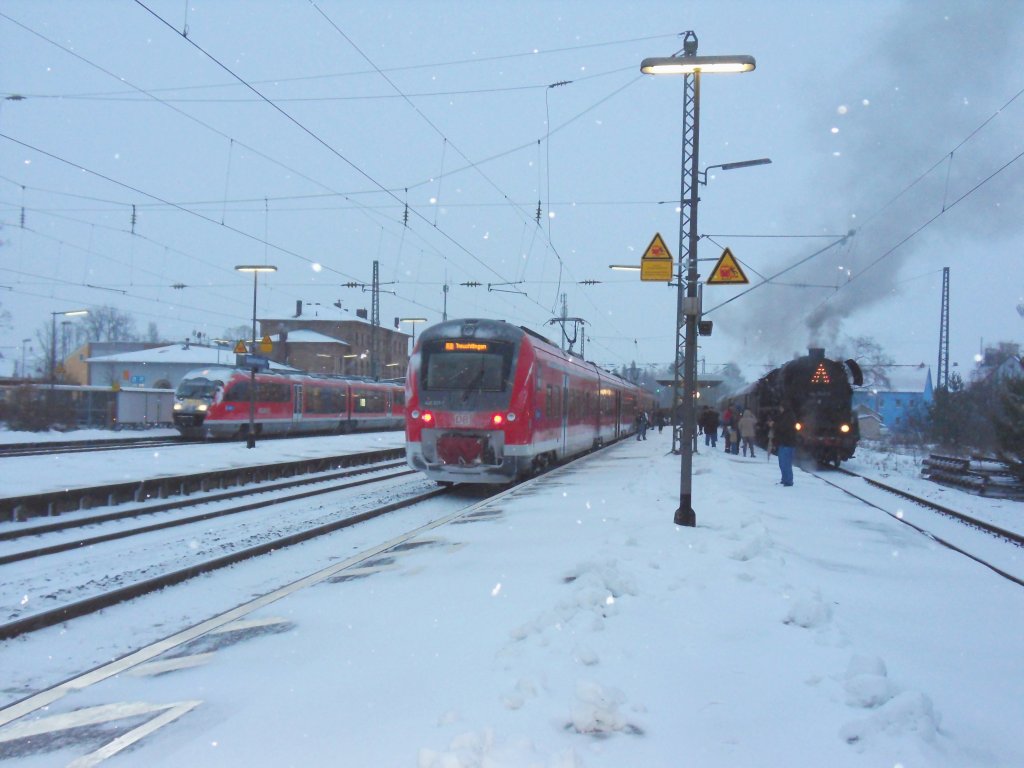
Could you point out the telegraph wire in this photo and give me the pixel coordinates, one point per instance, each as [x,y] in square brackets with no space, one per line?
[312,134]
[475,166]
[410,67]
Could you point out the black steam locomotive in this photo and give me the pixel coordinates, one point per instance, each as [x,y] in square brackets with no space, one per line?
[819,392]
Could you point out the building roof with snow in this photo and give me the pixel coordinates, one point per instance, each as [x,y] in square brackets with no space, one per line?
[306,336]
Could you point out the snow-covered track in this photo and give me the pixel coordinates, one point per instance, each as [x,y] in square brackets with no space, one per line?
[965,547]
[141,587]
[1012,536]
[122,533]
[87,446]
[21,508]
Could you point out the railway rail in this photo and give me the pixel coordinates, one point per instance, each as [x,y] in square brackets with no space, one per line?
[142,586]
[52,503]
[8,450]
[995,530]
[317,471]
[121,533]
[1011,537]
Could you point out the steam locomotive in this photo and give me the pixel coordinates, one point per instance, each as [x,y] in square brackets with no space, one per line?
[819,392]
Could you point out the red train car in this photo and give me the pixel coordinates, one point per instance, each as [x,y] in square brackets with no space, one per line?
[214,402]
[491,402]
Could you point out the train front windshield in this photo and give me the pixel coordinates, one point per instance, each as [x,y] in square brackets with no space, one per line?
[466,366]
[198,389]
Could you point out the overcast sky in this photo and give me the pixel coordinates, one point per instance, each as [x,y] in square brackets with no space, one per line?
[321,136]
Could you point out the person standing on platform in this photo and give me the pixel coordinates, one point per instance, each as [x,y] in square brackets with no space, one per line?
[785,442]
[748,428]
[710,418]
[726,423]
[641,422]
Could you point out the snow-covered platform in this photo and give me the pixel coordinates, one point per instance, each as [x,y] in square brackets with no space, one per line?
[571,623]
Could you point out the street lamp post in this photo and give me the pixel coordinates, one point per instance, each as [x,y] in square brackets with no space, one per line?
[23,343]
[413,321]
[53,340]
[250,441]
[691,66]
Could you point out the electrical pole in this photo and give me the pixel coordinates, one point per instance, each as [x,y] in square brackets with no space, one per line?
[375,322]
[942,379]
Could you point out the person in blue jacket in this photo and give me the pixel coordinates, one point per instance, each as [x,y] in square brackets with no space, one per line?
[785,442]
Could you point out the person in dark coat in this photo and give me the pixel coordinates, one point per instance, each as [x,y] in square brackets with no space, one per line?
[642,422]
[710,419]
[785,442]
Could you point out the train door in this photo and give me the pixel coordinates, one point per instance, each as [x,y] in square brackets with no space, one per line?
[296,402]
[565,412]
[618,414]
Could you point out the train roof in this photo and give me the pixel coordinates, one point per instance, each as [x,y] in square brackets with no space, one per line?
[500,330]
[225,372]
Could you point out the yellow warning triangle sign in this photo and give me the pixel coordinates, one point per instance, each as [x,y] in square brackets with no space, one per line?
[240,348]
[657,249]
[727,271]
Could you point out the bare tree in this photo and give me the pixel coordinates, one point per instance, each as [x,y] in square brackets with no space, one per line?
[238,332]
[106,324]
[868,354]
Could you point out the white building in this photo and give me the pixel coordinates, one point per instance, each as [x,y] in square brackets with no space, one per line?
[159,367]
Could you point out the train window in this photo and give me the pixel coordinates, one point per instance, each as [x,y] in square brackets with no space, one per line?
[325,400]
[237,392]
[399,398]
[273,392]
[368,402]
[477,366]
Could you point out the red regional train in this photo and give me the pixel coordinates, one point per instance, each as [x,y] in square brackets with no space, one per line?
[214,402]
[491,402]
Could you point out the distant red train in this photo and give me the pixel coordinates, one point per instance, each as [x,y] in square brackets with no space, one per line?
[491,402]
[214,402]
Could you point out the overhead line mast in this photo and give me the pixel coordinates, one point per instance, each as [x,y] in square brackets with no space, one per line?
[942,378]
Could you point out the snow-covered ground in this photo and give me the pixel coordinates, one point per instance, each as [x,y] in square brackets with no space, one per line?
[572,624]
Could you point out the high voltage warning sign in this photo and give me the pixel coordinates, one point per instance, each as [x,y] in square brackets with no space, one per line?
[656,263]
[727,271]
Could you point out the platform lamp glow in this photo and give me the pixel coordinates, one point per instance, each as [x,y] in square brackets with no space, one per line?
[250,441]
[691,66]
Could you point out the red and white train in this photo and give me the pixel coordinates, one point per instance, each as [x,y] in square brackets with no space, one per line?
[214,402]
[491,402]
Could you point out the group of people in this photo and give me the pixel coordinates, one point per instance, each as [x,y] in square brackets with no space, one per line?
[739,428]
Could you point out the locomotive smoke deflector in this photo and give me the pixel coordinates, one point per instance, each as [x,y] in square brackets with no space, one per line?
[856,374]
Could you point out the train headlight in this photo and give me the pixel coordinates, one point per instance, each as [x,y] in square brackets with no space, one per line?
[798,426]
[844,428]
[202,408]
[178,406]
[427,417]
[497,419]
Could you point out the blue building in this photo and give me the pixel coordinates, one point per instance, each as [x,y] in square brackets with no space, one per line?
[905,402]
